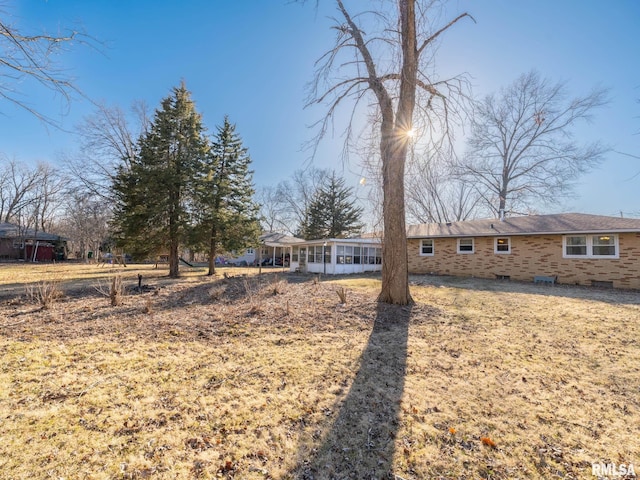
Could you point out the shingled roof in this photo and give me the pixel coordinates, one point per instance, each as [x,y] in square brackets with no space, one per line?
[276,239]
[562,223]
[12,231]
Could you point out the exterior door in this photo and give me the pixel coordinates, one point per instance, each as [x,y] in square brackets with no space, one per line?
[303,259]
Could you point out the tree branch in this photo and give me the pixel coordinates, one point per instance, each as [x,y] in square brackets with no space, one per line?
[433,37]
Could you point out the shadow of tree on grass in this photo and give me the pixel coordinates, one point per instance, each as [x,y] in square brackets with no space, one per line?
[361,442]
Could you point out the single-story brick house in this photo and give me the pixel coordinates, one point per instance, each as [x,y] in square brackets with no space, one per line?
[571,248]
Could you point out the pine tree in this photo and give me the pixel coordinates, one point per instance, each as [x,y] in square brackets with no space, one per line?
[332,213]
[227,214]
[155,193]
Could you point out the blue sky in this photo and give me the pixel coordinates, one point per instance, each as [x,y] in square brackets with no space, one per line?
[251,60]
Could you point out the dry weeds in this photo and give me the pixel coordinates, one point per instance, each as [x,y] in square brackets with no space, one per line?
[255,378]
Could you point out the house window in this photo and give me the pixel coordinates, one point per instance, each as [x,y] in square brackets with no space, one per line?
[249,251]
[502,245]
[590,246]
[327,254]
[344,254]
[315,254]
[294,254]
[348,255]
[368,255]
[356,255]
[426,247]
[604,246]
[575,246]
[465,245]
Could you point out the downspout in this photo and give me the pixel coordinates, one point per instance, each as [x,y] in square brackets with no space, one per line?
[35,251]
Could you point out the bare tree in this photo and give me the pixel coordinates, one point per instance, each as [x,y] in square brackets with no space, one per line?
[394,63]
[435,194]
[29,197]
[17,185]
[85,221]
[32,57]
[108,139]
[296,194]
[272,212]
[521,148]
[45,198]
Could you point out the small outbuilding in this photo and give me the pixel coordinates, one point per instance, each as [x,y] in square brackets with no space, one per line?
[19,243]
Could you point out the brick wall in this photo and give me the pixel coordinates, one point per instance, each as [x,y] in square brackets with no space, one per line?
[530,256]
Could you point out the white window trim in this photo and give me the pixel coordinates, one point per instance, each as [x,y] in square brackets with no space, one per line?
[433,248]
[499,252]
[473,246]
[590,246]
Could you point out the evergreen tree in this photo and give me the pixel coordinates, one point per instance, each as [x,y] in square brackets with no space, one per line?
[332,213]
[227,215]
[154,194]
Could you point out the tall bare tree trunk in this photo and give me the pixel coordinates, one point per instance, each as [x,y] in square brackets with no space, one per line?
[393,146]
[396,126]
[395,272]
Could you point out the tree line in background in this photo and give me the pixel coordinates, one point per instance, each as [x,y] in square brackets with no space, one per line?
[172,189]
[165,185]
[312,204]
[520,156]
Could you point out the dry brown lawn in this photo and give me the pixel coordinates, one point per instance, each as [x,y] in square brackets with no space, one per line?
[271,377]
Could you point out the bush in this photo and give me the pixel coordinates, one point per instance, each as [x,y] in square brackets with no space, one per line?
[44,293]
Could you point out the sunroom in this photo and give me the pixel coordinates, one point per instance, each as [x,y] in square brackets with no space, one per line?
[336,256]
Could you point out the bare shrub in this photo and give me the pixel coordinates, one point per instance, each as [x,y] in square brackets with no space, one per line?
[114,290]
[342,293]
[216,292]
[148,308]
[44,293]
[251,288]
[277,286]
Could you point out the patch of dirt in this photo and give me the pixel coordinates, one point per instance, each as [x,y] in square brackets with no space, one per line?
[227,306]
